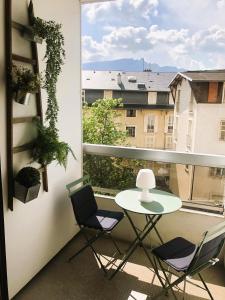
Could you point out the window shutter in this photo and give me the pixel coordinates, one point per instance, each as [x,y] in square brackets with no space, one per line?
[145,123]
[155,124]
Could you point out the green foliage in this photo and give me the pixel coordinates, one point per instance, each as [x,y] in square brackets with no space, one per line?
[99,123]
[23,79]
[28,177]
[50,31]
[100,126]
[48,148]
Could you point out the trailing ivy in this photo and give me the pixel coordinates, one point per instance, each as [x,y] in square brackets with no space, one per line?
[50,31]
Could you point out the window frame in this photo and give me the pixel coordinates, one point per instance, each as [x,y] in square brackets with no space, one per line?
[222,131]
[131,127]
[151,127]
[131,115]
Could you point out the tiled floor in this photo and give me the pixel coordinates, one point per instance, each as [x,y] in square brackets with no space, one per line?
[82,279]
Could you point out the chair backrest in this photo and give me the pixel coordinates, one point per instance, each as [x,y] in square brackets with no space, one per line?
[210,246]
[83,200]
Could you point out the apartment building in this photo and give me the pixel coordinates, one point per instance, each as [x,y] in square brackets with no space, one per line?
[199,126]
[147,113]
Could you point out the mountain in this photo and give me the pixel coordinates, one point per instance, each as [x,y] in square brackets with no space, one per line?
[129,65]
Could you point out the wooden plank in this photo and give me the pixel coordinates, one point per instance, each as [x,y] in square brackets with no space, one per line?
[34,52]
[24,59]
[18,26]
[8,68]
[25,119]
[22,148]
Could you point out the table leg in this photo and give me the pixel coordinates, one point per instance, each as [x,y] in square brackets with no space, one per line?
[156,230]
[138,241]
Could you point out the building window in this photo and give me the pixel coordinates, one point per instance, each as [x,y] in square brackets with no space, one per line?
[150,142]
[162,98]
[131,113]
[178,102]
[217,172]
[151,124]
[130,131]
[169,142]
[222,130]
[170,124]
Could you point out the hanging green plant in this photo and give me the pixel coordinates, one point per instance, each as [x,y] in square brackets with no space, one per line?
[48,148]
[50,31]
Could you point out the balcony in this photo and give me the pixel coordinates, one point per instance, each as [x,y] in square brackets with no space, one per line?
[83,279]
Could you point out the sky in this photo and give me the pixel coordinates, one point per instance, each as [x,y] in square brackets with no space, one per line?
[187,34]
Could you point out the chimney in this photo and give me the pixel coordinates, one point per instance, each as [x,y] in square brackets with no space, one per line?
[119,80]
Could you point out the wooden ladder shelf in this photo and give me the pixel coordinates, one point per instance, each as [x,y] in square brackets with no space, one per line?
[11,120]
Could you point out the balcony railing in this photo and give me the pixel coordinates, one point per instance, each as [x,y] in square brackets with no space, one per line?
[184,174]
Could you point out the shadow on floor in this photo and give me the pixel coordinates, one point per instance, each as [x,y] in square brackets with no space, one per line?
[81,279]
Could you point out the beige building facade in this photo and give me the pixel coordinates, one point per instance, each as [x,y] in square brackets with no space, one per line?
[147,113]
[199,119]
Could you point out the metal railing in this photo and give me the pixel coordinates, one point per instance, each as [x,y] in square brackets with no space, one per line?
[195,159]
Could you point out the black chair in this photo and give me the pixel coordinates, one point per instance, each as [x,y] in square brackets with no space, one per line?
[189,259]
[88,216]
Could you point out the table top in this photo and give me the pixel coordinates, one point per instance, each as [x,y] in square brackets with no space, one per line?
[163,202]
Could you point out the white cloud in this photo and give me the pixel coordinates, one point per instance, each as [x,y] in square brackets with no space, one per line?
[121,9]
[220,4]
[157,35]
[187,33]
[210,40]
[171,46]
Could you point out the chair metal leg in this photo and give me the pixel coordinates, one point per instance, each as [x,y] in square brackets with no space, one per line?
[115,244]
[89,243]
[78,252]
[168,284]
[206,287]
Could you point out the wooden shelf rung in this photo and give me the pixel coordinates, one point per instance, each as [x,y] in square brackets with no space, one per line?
[25,119]
[24,59]
[18,26]
[22,148]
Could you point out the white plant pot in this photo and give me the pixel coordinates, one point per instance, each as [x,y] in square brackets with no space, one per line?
[22,97]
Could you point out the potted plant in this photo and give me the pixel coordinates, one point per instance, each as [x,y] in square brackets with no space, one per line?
[24,82]
[48,148]
[29,34]
[27,184]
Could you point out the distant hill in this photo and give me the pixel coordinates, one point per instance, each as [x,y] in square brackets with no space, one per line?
[129,65]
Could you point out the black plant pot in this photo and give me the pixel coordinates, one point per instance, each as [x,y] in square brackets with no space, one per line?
[25,194]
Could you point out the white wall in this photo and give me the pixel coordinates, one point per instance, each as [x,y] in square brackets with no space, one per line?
[208,129]
[36,231]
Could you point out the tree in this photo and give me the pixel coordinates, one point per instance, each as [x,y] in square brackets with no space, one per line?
[99,123]
[100,126]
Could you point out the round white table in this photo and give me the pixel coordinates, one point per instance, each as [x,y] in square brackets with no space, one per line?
[162,203]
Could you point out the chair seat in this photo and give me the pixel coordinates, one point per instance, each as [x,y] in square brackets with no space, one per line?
[178,253]
[104,220]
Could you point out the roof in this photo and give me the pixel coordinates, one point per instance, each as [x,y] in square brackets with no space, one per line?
[107,80]
[201,76]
